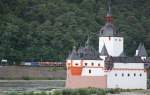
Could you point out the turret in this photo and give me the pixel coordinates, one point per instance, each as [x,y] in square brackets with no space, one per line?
[109,29]
[88,52]
[104,52]
[141,51]
[109,36]
[73,55]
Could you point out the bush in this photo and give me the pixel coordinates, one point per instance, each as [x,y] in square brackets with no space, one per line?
[13,93]
[26,78]
[81,91]
[57,92]
[43,93]
[66,92]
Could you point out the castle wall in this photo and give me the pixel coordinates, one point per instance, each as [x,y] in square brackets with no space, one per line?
[127,76]
[93,72]
[21,72]
[129,65]
[85,81]
[127,79]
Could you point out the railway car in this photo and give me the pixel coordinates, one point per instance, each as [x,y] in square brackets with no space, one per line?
[49,64]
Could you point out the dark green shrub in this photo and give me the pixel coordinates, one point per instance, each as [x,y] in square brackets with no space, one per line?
[57,92]
[67,92]
[30,93]
[26,78]
[83,91]
[13,93]
[43,93]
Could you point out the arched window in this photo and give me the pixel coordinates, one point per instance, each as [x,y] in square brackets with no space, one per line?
[116,75]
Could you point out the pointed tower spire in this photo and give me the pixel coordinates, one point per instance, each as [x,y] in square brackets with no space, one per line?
[141,51]
[87,43]
[73,55]
[109,12]
[104,51]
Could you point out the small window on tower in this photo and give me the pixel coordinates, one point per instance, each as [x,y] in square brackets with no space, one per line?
[85,64]
[109,38]
[116,75]
[76,64]
[92,64]
[89,71]
[99,65]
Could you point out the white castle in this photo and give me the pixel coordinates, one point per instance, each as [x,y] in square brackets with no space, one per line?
[110,67]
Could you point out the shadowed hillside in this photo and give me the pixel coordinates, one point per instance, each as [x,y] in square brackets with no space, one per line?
[48,29]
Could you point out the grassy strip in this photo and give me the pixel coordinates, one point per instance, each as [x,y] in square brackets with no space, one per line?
[33,78]
[49,78]
[83,91]
[56,69]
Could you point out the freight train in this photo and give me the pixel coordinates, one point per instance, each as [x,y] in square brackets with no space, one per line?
[49,64]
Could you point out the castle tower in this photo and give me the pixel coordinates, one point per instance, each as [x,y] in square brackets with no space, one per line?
[110,37]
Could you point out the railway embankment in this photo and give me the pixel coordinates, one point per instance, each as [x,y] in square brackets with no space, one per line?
[32,73]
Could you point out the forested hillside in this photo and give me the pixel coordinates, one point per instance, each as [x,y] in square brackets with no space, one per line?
[48,29]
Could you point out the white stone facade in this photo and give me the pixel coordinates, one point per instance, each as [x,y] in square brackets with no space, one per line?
[114,45]
[127,79]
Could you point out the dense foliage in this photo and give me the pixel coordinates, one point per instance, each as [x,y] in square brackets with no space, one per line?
[48,29]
